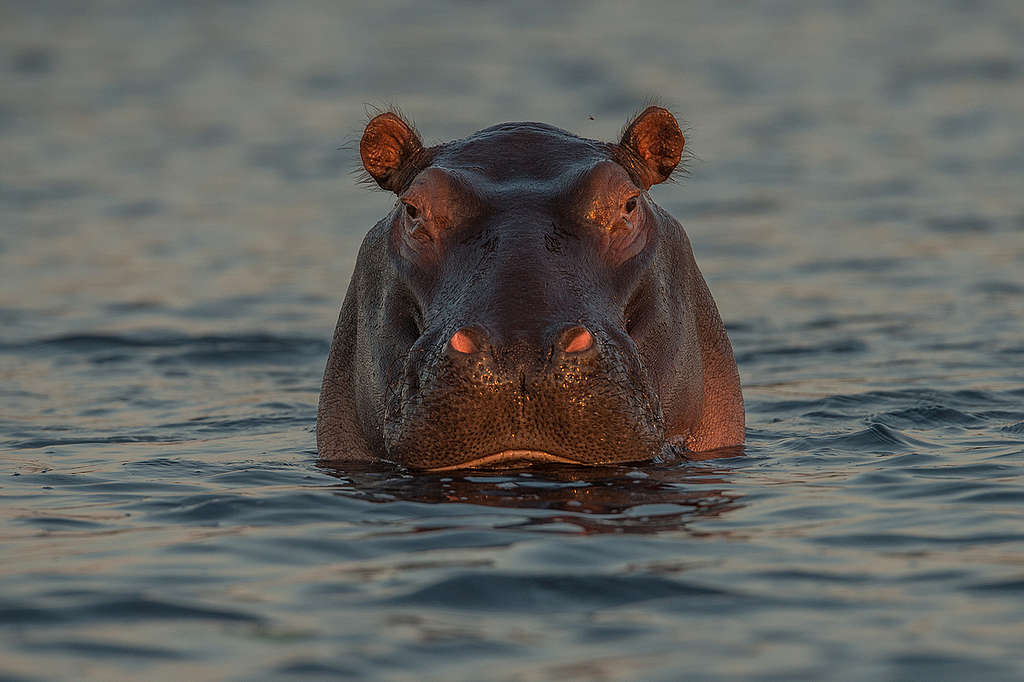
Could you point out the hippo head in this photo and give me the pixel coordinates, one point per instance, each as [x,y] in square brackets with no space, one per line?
[526,300]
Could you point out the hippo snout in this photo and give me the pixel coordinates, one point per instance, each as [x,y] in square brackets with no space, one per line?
[569,395]
[567,339]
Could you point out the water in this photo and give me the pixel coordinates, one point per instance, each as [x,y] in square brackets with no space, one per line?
[178,229]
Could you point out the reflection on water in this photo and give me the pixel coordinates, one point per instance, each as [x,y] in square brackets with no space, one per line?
[610,499]
[177,228]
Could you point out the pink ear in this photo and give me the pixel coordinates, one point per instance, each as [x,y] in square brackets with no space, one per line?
[388,145]
[654,136]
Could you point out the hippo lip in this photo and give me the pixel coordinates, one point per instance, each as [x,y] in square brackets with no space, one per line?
[508,458]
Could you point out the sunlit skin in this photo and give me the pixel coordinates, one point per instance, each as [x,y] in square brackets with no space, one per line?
[526,301]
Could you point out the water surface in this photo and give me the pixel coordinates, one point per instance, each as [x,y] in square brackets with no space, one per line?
[177,228]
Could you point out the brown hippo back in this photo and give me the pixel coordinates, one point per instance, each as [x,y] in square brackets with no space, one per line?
[526,299]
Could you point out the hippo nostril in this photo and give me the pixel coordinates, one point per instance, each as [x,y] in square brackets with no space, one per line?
[462,342]
[577,340]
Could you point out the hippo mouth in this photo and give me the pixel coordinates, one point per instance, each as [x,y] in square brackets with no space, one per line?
[517,407]
[509,459]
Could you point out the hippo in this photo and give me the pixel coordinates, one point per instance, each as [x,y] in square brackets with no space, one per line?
[526,301]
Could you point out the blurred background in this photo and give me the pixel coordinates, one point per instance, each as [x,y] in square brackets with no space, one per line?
[176,164]
[177,230]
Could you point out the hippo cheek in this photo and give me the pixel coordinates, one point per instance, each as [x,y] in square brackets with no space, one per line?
[447,414]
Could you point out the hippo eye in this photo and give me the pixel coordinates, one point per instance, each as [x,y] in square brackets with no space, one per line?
[412,211]
[631,205]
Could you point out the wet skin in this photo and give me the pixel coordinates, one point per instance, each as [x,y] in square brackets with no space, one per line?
[526,300]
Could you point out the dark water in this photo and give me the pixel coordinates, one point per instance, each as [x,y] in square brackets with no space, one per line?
[177,230]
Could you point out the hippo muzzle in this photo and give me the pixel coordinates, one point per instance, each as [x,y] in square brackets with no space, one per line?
[526,301]
[576,396]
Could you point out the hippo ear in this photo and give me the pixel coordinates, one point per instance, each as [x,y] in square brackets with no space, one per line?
[655,138]
[387,147]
